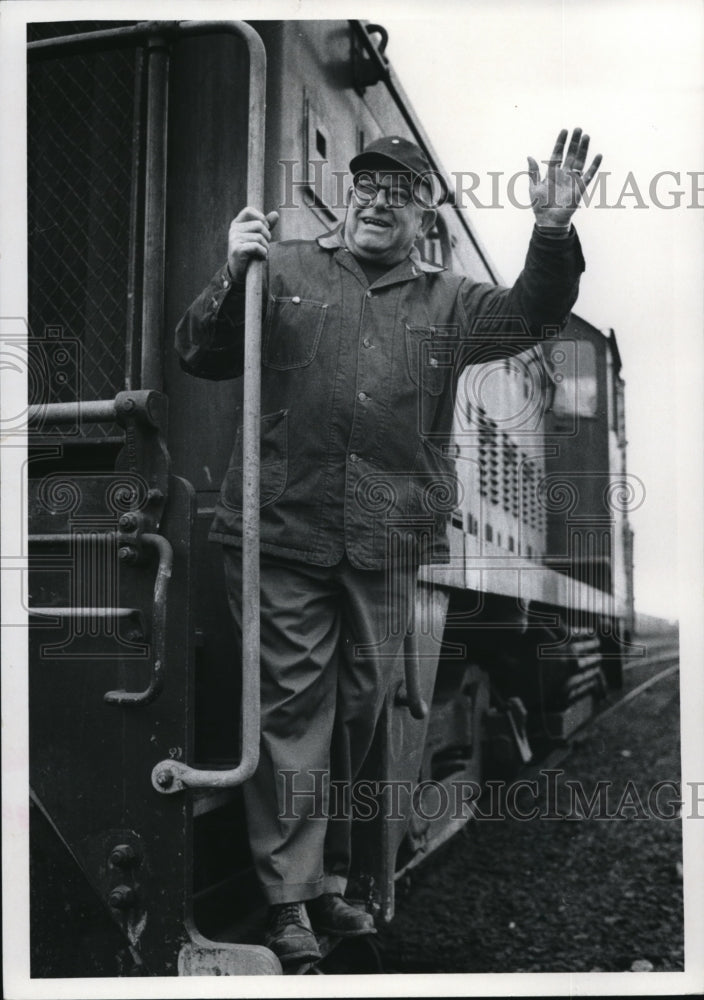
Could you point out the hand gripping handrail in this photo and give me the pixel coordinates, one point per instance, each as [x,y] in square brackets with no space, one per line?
[170,776]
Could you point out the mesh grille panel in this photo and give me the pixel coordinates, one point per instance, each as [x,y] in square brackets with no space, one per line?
[81,129]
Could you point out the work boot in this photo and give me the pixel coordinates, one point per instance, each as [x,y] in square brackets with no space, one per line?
[331,914]
[289,934]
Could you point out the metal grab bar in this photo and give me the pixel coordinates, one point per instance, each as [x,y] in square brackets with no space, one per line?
[170,776]
[411,697]
[92,411]
[142,403]
[159,603]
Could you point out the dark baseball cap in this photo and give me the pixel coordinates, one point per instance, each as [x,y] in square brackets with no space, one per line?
[393,152]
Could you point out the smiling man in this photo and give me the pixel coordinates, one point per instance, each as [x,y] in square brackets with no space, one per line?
[391,208]
[355,327]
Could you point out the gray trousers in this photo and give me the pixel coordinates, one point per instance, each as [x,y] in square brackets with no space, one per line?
[329,640]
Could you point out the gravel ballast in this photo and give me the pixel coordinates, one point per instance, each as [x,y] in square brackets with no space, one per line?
[598,893]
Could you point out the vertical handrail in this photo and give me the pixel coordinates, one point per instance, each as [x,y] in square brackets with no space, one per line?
[170,776]
[151,376]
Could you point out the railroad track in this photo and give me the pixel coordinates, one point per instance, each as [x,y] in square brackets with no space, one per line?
[662,658]
[659,650]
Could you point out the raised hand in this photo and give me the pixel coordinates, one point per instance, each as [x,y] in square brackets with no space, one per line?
[556,197]
[249,236]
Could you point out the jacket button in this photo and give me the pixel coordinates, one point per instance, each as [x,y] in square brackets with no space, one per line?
[362,396]
[354,457]
[296,299]
[367,342]
[434,362]
[369,293]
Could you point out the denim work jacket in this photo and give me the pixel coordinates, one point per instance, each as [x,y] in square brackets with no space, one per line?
[358,388]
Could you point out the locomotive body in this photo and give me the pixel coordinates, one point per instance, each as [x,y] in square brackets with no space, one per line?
[138,142]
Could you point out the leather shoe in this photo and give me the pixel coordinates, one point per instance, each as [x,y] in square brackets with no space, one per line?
[331,914]
[289,934]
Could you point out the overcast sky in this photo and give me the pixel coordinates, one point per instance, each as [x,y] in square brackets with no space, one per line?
[494,82]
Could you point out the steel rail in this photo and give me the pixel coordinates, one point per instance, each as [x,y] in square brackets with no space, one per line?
[52,611]
[559,753]
[664,655]
[634,692]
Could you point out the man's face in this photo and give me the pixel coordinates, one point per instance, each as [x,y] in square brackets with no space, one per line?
[385,217]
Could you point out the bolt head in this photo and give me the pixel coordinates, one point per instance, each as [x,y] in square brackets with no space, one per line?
[164,779]
[122,856]
[122,897]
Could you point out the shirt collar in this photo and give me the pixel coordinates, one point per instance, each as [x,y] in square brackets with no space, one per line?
[336,241]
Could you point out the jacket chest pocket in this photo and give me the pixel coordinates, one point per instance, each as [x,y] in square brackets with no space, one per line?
[427,361]
[292,332]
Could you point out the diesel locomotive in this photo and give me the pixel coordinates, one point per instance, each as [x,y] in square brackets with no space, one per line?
[144,140]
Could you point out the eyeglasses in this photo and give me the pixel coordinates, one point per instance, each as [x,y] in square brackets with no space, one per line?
[397,190]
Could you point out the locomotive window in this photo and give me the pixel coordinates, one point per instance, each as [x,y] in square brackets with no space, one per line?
[321,193]
[575,381]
